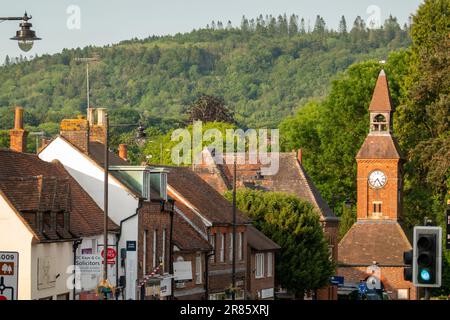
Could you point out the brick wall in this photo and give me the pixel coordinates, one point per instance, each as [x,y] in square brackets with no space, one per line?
[220,276]
[18,140]
[388,195]
[151,220]
[255,285]
[185,292]
[97,133]
[76,131]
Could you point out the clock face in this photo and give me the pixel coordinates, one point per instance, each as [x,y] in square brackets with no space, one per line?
[377,179]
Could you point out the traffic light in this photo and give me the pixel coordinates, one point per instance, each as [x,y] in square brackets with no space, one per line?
[427,256]
[407,269]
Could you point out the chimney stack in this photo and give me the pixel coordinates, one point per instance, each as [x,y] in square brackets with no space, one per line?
[76,131]
[123,151]
[299,155]
[18,136]
[98,130]
[91,115]
[101,116]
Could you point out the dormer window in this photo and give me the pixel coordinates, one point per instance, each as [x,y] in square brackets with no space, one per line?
[380,123]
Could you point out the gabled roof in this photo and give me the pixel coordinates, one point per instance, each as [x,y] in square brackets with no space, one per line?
[96,156]
[381,98]
[260,242]
[31,185]
[373,240]
[209,203]
[379,147]
[291,178]
[97,153]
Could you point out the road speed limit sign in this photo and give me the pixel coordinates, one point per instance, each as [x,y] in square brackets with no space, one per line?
[9,275]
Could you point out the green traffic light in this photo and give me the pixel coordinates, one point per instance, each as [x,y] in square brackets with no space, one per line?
[425,275]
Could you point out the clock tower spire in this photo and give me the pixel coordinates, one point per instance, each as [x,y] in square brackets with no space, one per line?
[379,161]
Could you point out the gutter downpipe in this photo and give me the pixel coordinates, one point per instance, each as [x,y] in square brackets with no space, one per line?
[119,236]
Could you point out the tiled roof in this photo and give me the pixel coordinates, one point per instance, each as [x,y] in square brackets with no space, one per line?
[211,204]
[186,237]
[97,153]
[379,146]
[381,99]
[291,178]
[367,241]
[258,241]
[32,185]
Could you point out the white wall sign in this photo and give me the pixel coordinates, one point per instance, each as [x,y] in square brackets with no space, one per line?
[89,264]
[267,293]
[9,275]
[182,270]
[166,287]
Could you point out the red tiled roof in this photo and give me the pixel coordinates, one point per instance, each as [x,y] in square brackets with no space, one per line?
[259,241]
[381,99]
[368,241]
[211,204]
[33,185]
[186,237]
[291,178]
[379,147]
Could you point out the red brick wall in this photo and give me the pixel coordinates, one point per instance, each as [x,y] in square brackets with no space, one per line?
[151,218]
[189,285]
[97,133]
[392,278]
[222,276]
[389,194]
[256,285]
[18,140]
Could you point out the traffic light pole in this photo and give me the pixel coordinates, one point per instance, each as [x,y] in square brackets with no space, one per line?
[427,294]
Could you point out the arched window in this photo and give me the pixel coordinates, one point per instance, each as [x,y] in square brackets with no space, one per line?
[379,118]
[379,123]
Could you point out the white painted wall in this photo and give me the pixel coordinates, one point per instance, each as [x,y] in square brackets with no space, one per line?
[122,203]
[62,257]
[15,236]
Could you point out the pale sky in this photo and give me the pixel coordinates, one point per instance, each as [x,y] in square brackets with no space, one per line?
[110,21]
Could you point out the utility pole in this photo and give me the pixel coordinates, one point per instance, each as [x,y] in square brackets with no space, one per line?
[87,60]
[233,293]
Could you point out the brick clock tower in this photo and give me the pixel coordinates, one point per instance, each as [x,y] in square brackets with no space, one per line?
[373,247]
[379,162]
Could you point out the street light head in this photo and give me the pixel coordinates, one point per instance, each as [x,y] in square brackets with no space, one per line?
[25,36]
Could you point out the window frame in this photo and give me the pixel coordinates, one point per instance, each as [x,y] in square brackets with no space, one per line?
[259,265]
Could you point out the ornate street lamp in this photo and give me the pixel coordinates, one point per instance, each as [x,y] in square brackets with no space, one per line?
[25,36]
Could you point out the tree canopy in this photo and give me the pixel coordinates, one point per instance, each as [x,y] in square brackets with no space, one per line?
[303,263]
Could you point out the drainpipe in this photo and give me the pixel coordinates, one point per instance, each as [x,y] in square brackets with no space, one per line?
[208,256]
[75,245]
[118,239]
[171,252]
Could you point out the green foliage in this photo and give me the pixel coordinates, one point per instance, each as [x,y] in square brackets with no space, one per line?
[332,131]
[423,117]
[263,70]
[159,146]
[208,109]
[303,263]
[348,218]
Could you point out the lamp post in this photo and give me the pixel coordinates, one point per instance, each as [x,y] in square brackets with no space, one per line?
[140,137]
[233,268]
[87,60]
[25,36]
